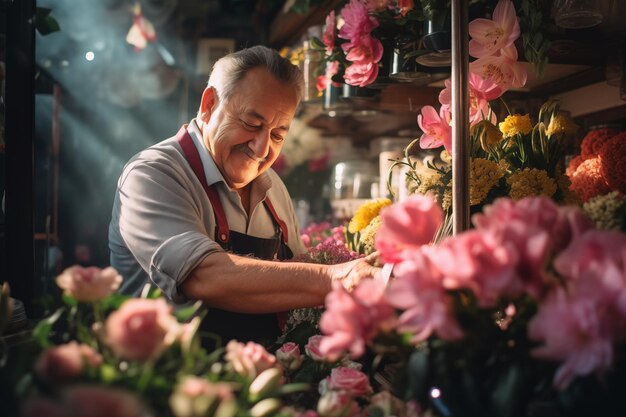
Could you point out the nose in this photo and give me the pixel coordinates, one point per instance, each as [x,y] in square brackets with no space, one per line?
[260,144]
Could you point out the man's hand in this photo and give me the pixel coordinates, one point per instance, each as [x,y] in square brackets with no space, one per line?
[351,273]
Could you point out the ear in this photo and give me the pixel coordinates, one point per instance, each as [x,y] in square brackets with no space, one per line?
[208,103]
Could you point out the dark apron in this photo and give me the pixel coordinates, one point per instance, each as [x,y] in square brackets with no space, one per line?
[259,328]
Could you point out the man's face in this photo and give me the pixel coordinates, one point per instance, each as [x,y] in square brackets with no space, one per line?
[245,135]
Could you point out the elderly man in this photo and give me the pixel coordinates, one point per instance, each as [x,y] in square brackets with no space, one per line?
[203,217]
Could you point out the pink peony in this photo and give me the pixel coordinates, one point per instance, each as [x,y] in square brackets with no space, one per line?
[419,292]
[591,251]
[328,37]
[64,362]
[353,319]
[489,36]
[89,284]
[349,380]
[361,73]
[312,348]
[358,23]
[141,329]
[475,260]
[574,332]
[249,360]
[406,226]
[289,356]
[437,128]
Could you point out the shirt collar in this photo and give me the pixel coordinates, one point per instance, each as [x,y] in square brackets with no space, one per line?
[213,175]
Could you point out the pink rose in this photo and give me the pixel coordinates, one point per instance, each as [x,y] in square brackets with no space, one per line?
[64,362]
[141,329]
[92,401]
[289,356]
[199,395]
[312,348]
[406,226]
[349,380]
[89,284]
[337,404]
[249,360]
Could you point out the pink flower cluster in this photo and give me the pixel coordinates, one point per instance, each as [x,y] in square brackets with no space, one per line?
[89,284]
[250,359]
[518,249]
[326,244]
[495,71]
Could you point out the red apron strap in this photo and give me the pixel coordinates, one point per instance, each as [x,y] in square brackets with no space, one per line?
[278,220]
[193,157]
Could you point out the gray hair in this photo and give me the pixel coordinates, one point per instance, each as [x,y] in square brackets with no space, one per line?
[230,69]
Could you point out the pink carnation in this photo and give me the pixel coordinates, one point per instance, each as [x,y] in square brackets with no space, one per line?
[477,261]
[406,226]
[418,291]
[141,329]
[89,284]
[353,319]
[573,332]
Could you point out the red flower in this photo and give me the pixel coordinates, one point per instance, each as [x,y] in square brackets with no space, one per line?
[613,166]
[593,141]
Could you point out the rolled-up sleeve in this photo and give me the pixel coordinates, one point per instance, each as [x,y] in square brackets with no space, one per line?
[162,221]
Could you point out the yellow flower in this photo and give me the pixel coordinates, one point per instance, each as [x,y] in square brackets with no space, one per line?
[446,199]
[561,123]
[484,175]
[366,213]
[515,125]
[428,182]
[489,135]
[297,56]
[531,182]
[368,234]
[283,52]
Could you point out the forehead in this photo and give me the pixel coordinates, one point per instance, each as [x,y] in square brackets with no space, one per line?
[259,92]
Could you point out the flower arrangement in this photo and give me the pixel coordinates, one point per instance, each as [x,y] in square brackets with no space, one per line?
[355,39]
[517,159]
[520,316]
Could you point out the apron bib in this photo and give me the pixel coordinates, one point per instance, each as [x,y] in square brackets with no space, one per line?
[259,328]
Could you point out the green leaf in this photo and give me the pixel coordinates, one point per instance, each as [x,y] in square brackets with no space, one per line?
[44,23]
[185,314]
[293,388]
[69,300]
[316,43]
[42,330]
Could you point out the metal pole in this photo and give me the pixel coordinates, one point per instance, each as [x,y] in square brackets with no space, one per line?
[460,117]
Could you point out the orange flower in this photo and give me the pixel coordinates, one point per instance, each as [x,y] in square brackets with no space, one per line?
[588,181]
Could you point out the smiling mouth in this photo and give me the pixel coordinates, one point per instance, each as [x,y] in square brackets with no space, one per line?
[244,148]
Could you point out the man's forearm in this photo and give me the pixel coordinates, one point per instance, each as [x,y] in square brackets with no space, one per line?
[248,285]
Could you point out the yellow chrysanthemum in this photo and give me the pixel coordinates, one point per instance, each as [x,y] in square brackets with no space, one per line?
[484,175]
[366,213]
[604,210]
[531,182]
[516,124]
[297,56]
[429,182]
[446,199]
[283,52]
[561,124]
[489,135]
[368,234]
[568,197]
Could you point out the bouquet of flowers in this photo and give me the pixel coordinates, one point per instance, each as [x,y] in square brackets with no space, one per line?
[598,178]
